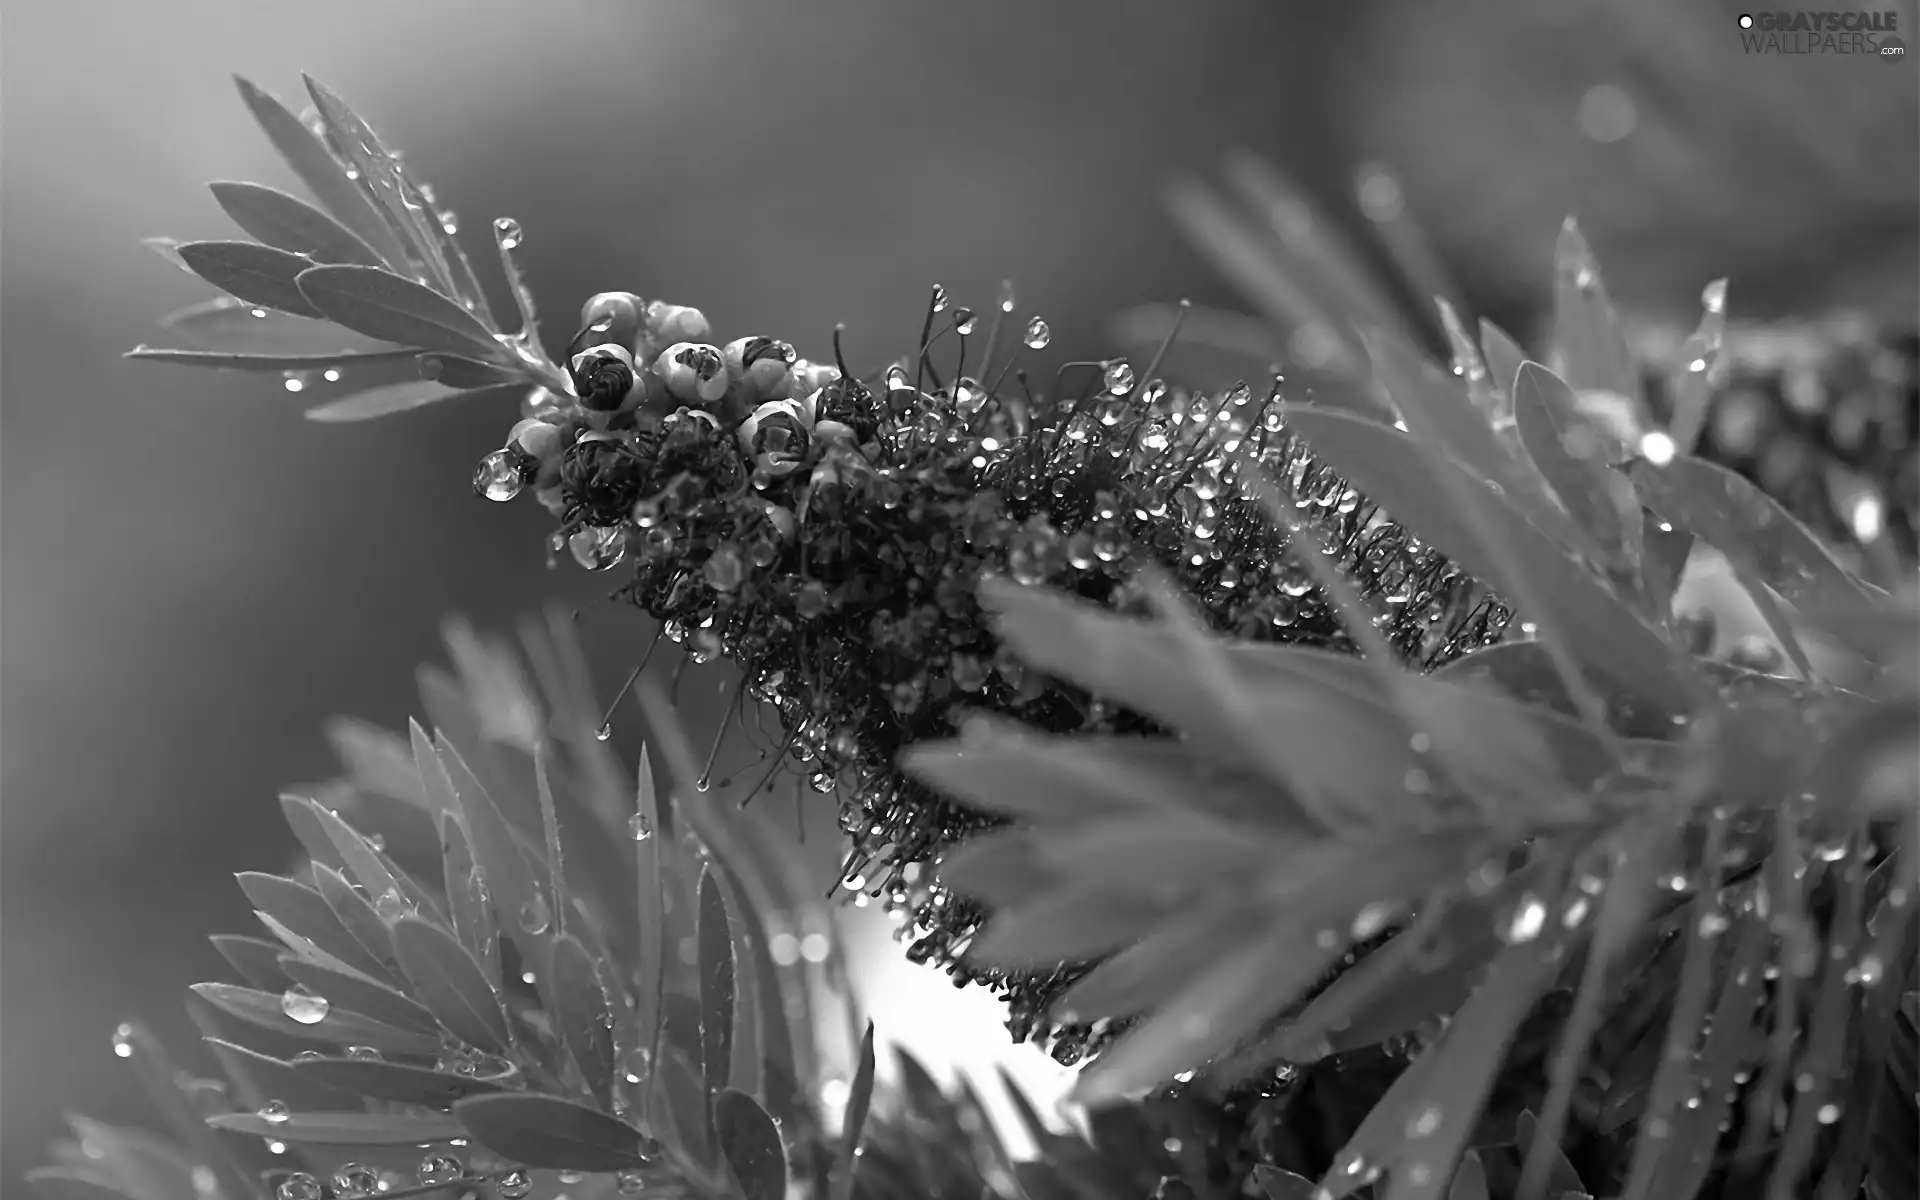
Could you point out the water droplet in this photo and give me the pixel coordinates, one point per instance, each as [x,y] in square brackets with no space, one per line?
[963,321]
[1713,297]
[303,1006]
[535,916]
[1119,376]
[450,222]
[123,1042]
[1828,1114]
[1371,920]
[355,1179]
[939,298]
[299,1186]
[293,381]
[439,1169]
[1529,918]
[364,1054]
[513,1184]
[639,828]
[1657,448]
[275,1112]
[498,477]
[391,905]
[573,1177]
[814,947]
[506,232]
[1039,333]
[630,1183]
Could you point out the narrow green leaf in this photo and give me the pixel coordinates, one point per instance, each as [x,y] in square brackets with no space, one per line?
[396,1081]
[346,1129]
[451,985]
[377,361]
[473,917]
[859,1097]
[353,993]
[304,911]
[323,174]
[256,961]
[359,918]
[509,872]
[547,1133]
[1075,923]
[1000,868]
[383,305]
[259,1078]
[404,209]
[299,812]
[228,326]
[750,1144]
[401,397]
[1665,549]
[1756,534]
[1147,975]
[467,374]
[1607,640]
[149,1167]
[291,224]
[341,1028]
[1573,456]
[1276,1184]
[1589,348]
[1696,369]
[1503,353]
[54,1183]
[256,274]
[717,1010]
[582,1015]
[1561,1178]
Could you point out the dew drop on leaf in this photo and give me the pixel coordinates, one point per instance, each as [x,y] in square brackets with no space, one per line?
[1119,377]
[391,905]
[535,917]
[506,232]
[354,1180]
[1371,920]
[275,1112]
[1529,918]
[573,1177]
[639,828]
[303,1006]
[364,1054]
[123,1042]
[299,1186]
[513,1184]
[1039,333]
[630,1183]
[439,1169]
[498,476]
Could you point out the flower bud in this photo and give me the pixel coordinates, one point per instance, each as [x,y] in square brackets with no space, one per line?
[694,373]
[810,377]
[762,367]
[617,317]
[604,378]
[669,323]
[777,437]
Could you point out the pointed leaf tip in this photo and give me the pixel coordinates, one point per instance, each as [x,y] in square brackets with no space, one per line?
[547,1133]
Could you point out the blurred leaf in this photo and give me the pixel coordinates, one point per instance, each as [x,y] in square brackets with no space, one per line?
[1590,350]
[859,1096]
[306,912]
[1419,1129]
[1470,1180]
[351,993]
[716,985]
[359,918]
[357,856]
[147,1167]
[346,1129]
[169,249]
[228,326]
[376,360]
[1755,533]
[1562,1179]
[169,1092]
[403,397]
[339,1027]
[750,1144]
[256,274]
[383,305]
[582,1016]
[256,961]
[1075,923]
[1503,355]
[1606,639]
[508,872]
[395,1081]
[1893,1168]
[291,224]
[52,1183]
[1573,456]
[451,985]
[548,1133]
[1147,974]
[454,371]
[1695,371]
[650,910]
[323,174]
[1276,1184]
[685,1104]
[1665,549]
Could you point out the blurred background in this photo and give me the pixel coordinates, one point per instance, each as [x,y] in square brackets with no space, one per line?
[195,578]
